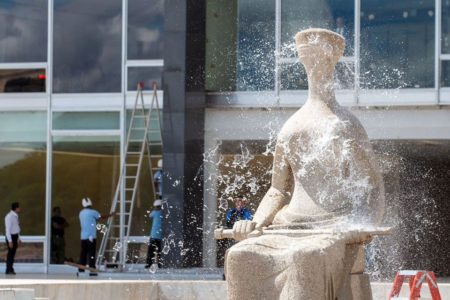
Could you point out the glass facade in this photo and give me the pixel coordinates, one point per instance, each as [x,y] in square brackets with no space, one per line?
[84,66]
[87,46]
[334,15]
[23,31]
[397,44]
[256,45]
[86,120]
[83,167]
[445,41]
[220,60]
[23,167]
[145,29]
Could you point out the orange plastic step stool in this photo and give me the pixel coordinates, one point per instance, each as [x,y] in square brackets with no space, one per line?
[416,278]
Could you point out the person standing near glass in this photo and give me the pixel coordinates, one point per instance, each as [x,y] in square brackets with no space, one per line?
[154,246]
[88,222]
[12,231]
[58,243]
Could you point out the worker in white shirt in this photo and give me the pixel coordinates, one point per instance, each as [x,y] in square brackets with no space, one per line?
[12,230]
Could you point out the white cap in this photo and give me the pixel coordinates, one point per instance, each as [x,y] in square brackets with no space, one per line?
[157,203]
[86,202]
[160,162]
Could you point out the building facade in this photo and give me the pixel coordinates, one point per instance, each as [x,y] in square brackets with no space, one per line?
[68,76]
[230,78]
[243,79]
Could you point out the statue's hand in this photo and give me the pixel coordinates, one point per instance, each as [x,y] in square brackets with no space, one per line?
[242,229]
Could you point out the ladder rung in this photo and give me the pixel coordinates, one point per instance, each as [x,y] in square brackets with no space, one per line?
[130,176]
[136,141]
[133,153]
[138,128]
[131,165]
[139,116]
[154,144]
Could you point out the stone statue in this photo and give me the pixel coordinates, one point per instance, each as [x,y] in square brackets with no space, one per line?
[326,194]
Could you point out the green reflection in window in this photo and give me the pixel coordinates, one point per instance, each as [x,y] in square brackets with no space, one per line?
[83,167]
[86,120]
[22,168]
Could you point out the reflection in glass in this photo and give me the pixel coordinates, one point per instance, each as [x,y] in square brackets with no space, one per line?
[256,45]
[335,15]
[26,253]
[445,26]
[344,76]
[22,167]
[397,44]
[87,46]
[86,120]
[147,75]
[23,31]
[445,77]
[145,29]
[293,77]
[83,167]
[22,80]
[220,60]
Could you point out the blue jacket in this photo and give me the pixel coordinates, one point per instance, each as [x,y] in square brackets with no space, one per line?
[234,215]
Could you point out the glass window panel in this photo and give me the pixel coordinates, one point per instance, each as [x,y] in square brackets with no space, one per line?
[83,167]
[147,75]
[87,46]
[256,45]
[22,80]
[86,120]
[397,44]
[336,15]
[145,29]
[23,31]
[293,76]
[154,135]
[26,253]
[344,75]
[220,61]
[445,79]
[445,26]
[23,167]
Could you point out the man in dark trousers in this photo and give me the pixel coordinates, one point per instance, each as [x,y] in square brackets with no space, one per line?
[88,221]
[58,245]
[12,231]
[154,246]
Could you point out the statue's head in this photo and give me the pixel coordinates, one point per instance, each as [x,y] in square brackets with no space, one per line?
[319,47]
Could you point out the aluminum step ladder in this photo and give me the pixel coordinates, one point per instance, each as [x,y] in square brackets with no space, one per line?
[143,122]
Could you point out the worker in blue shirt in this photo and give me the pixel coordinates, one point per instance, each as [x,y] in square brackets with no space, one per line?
[88,222]
[239,212]
[154,246]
